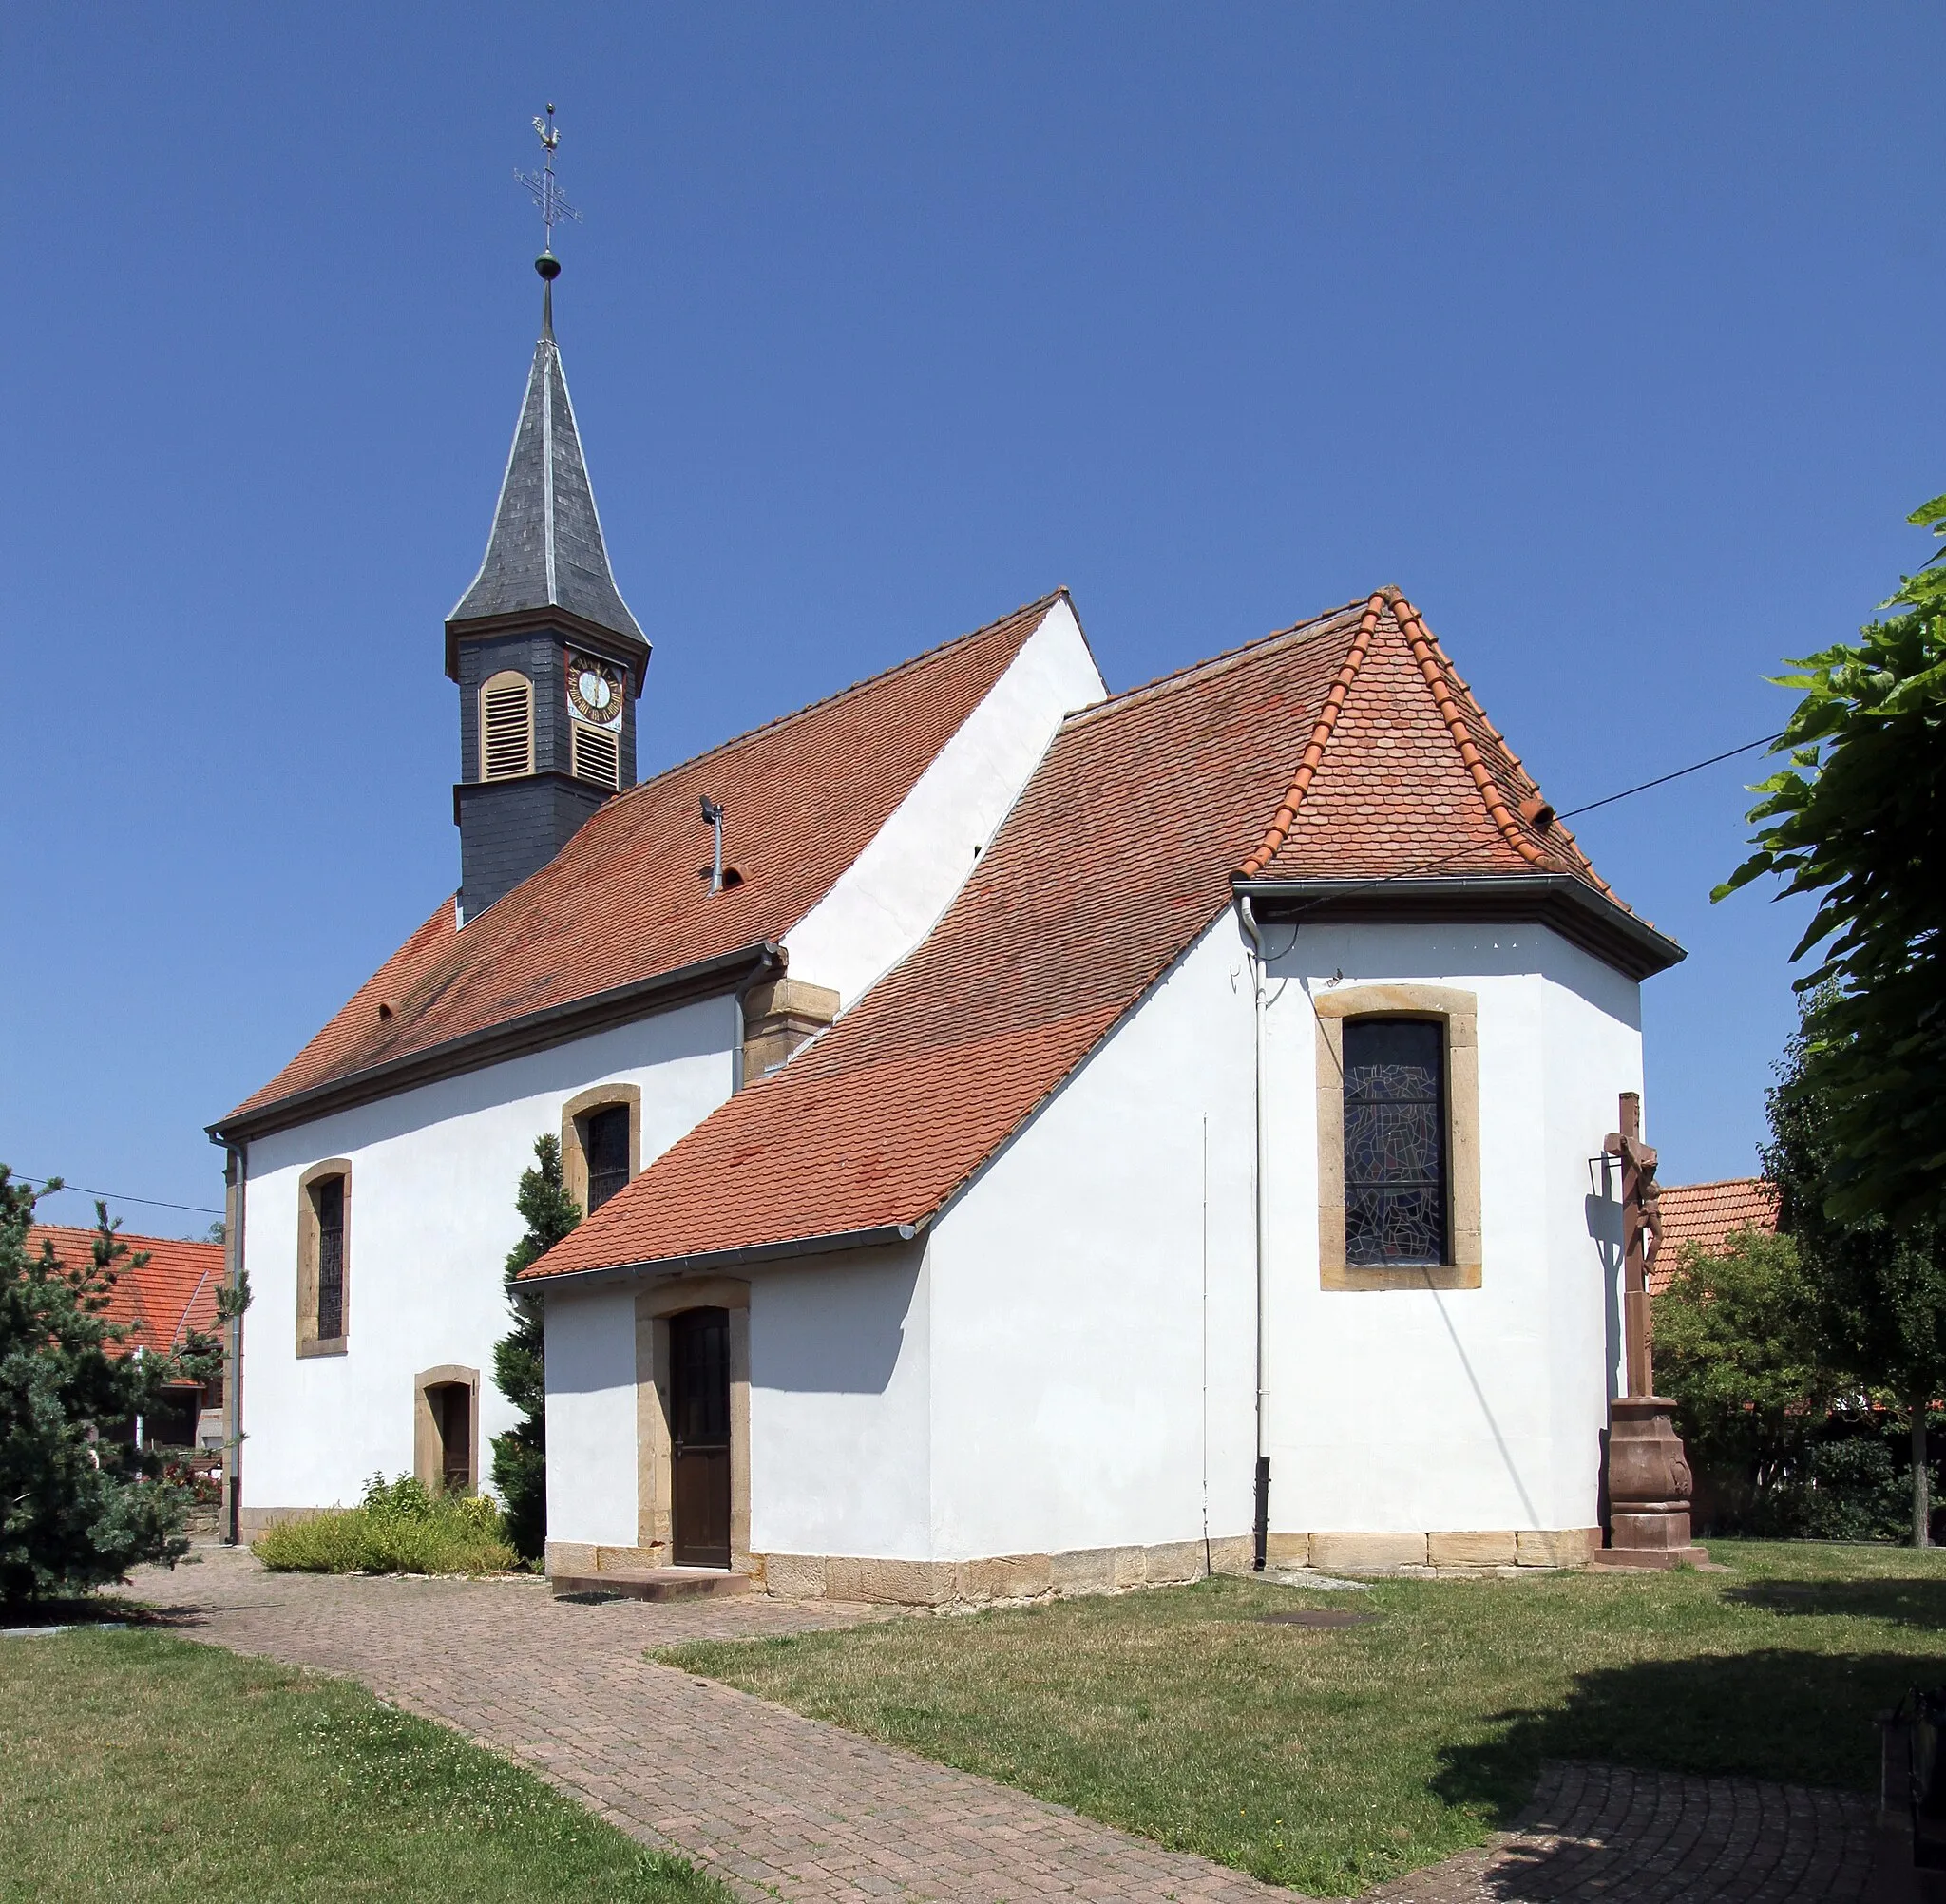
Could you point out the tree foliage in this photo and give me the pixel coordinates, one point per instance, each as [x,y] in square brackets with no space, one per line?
[79,1507]
[1738,1346]
[1879,1288]
[1858,820]
[519,1455]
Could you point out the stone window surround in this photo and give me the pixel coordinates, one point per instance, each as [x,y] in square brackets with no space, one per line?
[428,1448]
[655,1524]
[503,678]
[574,1132]
[309,1341]
[1460,1013]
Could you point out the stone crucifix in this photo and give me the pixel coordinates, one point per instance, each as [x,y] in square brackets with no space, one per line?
[1648,1472]
[1641,1242]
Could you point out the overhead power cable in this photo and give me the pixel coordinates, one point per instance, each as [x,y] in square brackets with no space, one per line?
[116,1196]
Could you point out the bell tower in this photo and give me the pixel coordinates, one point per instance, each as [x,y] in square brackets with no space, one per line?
[548,660]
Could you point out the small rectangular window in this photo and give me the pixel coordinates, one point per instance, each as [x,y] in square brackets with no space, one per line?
[330,1197]
[607,1152]
[1395,1142]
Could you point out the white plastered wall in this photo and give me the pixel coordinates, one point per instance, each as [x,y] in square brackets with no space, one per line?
[890,896]
[840,1405]
[1092,1294]
[434,1176]
[1469,1409]
[592,1467]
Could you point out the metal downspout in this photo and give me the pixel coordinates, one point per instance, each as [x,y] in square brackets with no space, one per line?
[239,1175]
[1261,1519]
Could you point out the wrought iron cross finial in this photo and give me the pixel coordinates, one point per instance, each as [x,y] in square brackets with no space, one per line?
[546,193]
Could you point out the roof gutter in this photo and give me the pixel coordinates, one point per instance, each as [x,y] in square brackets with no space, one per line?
[511,1037]
[709,1262]
[1571,907]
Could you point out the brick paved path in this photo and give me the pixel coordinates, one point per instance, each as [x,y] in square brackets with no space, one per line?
[783,1806]
[1602,1832]
[787,1807]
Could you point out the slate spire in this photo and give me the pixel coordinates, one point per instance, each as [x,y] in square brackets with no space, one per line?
[545,550]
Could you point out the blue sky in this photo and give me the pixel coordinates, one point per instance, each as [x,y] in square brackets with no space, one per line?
[1611,335]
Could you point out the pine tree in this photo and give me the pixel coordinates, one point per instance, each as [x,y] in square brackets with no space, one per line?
[79,1507]
[519,1455]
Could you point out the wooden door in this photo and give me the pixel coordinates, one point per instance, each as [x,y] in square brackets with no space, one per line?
[452,1411]
[699,1436]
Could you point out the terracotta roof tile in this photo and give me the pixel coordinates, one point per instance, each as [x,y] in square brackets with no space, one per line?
[176,1290]
[1119,854]
[1707,1215]
[627,898]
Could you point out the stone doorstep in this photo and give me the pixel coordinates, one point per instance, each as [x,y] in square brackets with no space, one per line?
[657,1583]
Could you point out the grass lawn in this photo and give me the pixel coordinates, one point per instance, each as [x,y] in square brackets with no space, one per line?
[1332,1760]
[134,1765]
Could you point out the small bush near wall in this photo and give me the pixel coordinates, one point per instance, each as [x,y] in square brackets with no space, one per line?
[400,1527]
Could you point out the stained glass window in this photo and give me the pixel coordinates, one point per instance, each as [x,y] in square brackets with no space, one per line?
[1395,1141]
[330,1194]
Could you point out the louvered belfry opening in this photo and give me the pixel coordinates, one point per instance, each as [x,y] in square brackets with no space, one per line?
[507,727]
[596,756]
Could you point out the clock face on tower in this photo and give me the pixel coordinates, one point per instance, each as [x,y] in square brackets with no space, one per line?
[594,691]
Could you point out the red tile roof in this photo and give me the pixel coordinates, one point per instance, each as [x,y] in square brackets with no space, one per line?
[1708,1214]
[1119,854]
[176,1290]
[626,899]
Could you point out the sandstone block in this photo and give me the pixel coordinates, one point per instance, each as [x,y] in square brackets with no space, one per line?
[1472,1549]
[1572,1546]
[1236,1553]
[894,1583]
[1367,1552]
[1012,1577]
[795,1576]
[1174,1562]
[1281,1550]
[569,1557]
[1087,1570]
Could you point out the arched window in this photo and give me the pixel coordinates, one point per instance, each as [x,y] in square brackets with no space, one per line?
[600,1143]
[507,727]
[324,1258]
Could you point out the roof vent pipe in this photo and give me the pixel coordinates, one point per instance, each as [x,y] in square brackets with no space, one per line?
[712,816]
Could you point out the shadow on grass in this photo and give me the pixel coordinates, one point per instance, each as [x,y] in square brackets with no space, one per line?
[1905,1601]
[1799,1718]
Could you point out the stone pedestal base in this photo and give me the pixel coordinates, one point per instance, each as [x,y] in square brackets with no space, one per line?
[1649,1488]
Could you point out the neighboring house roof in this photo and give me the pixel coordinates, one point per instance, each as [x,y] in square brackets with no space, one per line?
[545,549]
[173,1292]
[1708,1215]
[626,903]
[1119,854]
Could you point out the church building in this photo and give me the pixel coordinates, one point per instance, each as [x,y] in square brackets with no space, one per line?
[1032,1140]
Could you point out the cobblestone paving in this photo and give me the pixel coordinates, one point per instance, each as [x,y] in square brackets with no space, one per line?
[1657,1837]
[787,1807]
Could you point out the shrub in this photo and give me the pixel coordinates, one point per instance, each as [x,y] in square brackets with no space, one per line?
[400,1527]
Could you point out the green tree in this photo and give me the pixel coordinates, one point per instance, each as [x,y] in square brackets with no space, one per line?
[1737,1345]
[519,1455]
[1879,1289]
[1859,821]
[78,1506]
